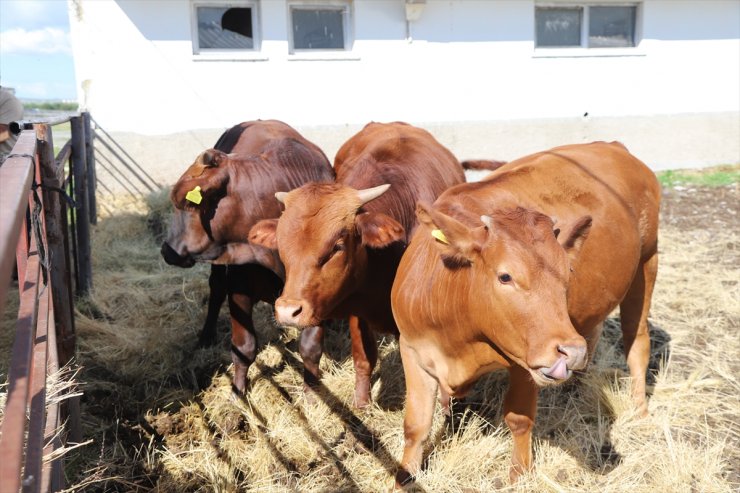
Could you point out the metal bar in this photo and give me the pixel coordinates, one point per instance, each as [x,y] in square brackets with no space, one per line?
[15,176]
[98,127]
[20,125]
[62,157]
[52,477]
[55,232]
[91,180]
[79,164]
[104,159]
[37,398]
[120,159]
[14,419]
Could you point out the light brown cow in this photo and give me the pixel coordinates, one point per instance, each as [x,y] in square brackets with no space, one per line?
[341,242]
[519,271]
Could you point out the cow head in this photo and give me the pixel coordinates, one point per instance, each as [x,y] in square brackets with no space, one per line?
[203,211]
[322,238]
[518,268]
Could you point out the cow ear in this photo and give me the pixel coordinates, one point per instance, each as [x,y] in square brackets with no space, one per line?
[264,234]
[211,158]
[457,243]
[572,238]
[378,230]
[203,178]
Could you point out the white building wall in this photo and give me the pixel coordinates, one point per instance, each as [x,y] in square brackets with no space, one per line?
[466,64]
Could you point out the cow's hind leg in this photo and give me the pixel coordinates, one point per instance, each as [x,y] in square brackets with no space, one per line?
[311,348]
[421,389]
[520,407]
[364,356]
[633,314]
[243,340]
[216,298]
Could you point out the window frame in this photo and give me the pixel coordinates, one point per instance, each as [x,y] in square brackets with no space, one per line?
[344,6]
[583,49]
[253,53]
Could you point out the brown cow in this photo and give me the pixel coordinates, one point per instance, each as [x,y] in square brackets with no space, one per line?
[519,271]
[341,242]
[211,224]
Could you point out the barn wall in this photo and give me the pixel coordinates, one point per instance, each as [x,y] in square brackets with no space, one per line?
[465,68]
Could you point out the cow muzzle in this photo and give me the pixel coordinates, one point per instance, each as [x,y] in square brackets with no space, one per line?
[571,357]
[295,313]
[173,258]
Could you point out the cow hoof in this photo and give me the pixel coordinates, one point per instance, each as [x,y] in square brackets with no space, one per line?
[238,392]
[361,402]
[515,473]
[309,394]
[206,340]
[404,480]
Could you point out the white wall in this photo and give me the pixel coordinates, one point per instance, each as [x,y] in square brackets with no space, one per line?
[469,61]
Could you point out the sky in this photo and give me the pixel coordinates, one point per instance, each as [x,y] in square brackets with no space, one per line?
[35,51]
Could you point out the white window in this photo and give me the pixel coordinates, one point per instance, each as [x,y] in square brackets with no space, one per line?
[585,25]
[319,26]
[221,27]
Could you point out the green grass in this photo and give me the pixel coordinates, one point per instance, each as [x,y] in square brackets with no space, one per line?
[50,105]
[710,177]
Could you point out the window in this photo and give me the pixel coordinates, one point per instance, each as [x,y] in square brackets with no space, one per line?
[319,27]
[224,27]
[586,26]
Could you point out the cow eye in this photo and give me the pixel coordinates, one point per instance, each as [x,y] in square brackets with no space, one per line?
[504,278]
[338,247]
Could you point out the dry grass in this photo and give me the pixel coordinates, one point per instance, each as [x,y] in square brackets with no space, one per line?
[162,415]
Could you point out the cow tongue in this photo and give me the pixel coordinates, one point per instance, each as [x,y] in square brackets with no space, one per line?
[558,371]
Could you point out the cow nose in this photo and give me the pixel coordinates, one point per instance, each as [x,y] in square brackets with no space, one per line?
[576,355]
[173,258]
[288,311]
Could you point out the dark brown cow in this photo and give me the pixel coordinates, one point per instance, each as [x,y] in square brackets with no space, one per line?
[341,242]
[519,271]
[236,190]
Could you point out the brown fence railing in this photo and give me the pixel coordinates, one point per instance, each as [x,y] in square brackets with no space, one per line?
[45,212]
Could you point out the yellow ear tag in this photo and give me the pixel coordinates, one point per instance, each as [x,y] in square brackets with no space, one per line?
[439,235]
[194,195]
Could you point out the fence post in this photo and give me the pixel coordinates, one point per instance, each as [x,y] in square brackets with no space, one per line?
[79,167]
[91,178]
[59,269]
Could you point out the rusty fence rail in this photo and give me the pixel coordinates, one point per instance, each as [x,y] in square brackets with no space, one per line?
[45,212]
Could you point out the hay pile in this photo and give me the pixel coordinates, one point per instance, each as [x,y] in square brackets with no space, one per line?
[162,415]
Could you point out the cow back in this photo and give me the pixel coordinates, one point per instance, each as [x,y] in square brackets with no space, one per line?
[408,158]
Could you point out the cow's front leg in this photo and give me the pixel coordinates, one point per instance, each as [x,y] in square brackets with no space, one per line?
[216,296]
[311,348]
[421,389]
[243,340]
[364,356]
[520,407]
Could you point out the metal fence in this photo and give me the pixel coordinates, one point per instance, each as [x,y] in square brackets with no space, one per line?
[46,208]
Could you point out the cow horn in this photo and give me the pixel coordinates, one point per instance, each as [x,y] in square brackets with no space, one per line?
[372,193]
[280,196]
[488,221]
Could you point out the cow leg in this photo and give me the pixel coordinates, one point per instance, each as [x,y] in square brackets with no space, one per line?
[311,347]
[520,407]
[243,340]
[421,390]
[216,297]
[633,314]
[364,356]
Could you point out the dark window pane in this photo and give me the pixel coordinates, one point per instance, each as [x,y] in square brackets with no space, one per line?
[318,29]
[611,26]
[224,28]
[558,26]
